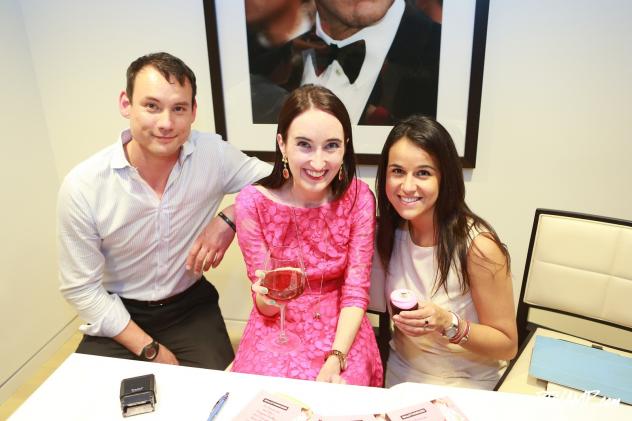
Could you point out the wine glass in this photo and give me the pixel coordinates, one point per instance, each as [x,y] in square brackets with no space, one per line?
[285,280]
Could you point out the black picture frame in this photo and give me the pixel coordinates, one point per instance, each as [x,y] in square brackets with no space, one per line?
[466,138]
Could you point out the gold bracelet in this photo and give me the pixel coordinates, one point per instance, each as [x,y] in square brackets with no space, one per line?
[342,358]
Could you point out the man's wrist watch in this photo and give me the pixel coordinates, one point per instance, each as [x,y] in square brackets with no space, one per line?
[451,332]
[150,351]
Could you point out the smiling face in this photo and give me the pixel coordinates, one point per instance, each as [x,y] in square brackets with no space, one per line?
[160,115]
[314,149]
[412,183]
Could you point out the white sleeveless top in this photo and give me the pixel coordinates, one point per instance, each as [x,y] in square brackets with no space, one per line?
[432,358]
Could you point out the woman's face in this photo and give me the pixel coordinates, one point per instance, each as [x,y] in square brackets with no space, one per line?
[412,181]
[314,148]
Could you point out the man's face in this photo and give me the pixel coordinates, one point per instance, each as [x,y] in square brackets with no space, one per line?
[160,113]
[353,13]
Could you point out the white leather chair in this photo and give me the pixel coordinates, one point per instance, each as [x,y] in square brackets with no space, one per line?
[381,320]
[577,286]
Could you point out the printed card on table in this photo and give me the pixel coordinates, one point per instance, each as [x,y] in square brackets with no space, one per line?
[440,409]
[271,407]
[268,406]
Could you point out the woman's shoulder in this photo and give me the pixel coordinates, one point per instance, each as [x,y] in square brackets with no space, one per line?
[359,189]
[484,246]
[246,193]
[360,185]
[253,195]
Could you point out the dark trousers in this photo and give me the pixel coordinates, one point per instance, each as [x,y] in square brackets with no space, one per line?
[192,327]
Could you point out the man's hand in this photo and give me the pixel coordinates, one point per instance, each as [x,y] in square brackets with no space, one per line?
[209,248]
[135,339]
[165,356]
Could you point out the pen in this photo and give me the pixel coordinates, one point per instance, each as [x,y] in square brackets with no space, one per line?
[217,407]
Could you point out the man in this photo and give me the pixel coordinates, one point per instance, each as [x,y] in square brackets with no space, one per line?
[381,57]
[271,23]
[136,226]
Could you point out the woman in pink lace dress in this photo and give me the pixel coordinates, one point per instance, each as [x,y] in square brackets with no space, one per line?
[312,201]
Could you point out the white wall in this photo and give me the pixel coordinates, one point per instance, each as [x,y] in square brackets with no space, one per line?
[555,121]
[556,116]
[31,310]
[81,50]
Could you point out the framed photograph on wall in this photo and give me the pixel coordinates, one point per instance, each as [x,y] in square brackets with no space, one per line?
[410,56]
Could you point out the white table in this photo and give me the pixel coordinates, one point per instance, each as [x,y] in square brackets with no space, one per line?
[86,387]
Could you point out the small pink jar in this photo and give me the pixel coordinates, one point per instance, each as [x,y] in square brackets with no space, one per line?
[403,300]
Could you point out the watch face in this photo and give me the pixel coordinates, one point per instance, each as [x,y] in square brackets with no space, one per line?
[150,351]
[453,329]
[450,332]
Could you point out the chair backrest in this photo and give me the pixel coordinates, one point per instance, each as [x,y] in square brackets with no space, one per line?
[377,305]
[578,278]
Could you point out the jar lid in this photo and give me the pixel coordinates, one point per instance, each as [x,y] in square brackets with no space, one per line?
[404,298]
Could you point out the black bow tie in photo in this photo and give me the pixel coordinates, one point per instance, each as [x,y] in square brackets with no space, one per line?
[350,56]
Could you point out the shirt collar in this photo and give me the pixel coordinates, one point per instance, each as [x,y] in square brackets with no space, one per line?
[188,147]
[119,160]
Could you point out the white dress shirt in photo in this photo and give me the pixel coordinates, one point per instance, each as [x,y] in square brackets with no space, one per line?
[378,38]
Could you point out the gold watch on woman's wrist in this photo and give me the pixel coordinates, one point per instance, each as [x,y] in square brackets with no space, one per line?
[342,358]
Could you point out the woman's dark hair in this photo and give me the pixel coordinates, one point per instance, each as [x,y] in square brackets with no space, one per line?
[300,100]
[167,65]
[453,219]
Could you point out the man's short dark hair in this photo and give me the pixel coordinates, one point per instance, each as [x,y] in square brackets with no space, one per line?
[167,65]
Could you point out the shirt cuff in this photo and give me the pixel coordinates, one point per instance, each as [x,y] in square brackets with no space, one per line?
[112,323]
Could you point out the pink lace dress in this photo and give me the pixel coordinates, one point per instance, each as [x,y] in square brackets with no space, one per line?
[336,241]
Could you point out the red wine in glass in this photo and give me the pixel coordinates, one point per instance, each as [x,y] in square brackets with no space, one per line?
[284,284]
[285,280]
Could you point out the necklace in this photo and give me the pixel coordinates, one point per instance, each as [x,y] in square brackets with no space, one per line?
[316,313]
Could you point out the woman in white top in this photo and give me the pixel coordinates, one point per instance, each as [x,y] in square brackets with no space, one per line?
[430,242]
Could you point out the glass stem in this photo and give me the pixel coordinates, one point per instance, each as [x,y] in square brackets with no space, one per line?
[282,336]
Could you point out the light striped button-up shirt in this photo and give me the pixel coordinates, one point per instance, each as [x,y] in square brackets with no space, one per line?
[117,238]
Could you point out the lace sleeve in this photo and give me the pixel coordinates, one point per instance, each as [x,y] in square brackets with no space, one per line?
[355,291]
[249,231]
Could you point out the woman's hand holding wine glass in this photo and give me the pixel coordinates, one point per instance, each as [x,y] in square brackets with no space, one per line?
[283,280]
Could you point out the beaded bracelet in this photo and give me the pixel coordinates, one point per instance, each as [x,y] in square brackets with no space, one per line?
[466,336]
[228,221]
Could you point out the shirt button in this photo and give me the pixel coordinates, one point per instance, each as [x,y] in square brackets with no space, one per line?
[338,72]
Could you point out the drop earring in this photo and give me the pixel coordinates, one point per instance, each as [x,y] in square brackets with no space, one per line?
[340,174]
[286,172]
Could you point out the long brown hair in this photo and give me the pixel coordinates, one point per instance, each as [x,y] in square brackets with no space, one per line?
[300,100]
[454,222]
